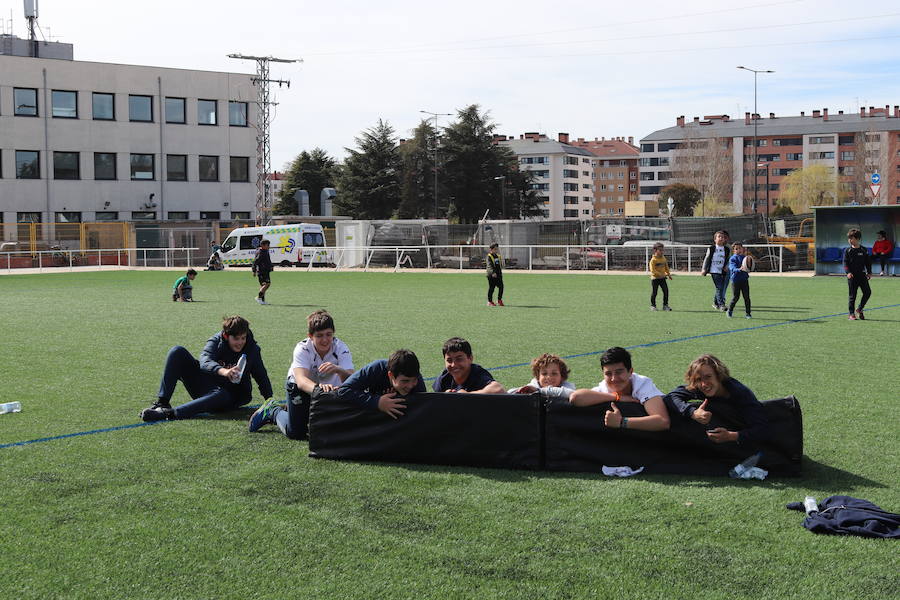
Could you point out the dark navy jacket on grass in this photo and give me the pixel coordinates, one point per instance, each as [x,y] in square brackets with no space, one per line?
[742,403]
[846,515]
[857,260]
[369,384]
[478,378]
[217,353]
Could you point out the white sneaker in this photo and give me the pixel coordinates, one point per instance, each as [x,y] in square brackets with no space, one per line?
[260,300]
[653,308]
[666,307]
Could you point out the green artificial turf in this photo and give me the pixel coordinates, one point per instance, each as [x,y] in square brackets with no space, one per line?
[204,509]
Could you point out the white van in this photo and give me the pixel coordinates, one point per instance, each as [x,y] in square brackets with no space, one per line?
[294,244]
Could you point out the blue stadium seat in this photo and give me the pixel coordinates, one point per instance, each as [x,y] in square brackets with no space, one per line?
[832,255]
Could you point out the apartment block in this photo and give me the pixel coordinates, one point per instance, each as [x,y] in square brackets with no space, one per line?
[615,174]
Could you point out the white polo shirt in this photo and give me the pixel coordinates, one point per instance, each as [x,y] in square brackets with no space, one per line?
[306,357]
[642,388]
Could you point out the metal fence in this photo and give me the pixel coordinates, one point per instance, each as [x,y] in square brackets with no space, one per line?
[102,257]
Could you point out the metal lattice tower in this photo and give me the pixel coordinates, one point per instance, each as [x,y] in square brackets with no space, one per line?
[263,123]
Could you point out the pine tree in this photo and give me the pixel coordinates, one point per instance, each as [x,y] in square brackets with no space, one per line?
[369,186]
[311,171]
[417,185]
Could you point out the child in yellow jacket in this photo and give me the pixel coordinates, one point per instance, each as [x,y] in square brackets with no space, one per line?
[659,272]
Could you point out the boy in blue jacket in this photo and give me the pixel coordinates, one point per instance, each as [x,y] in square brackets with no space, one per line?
[215,382]
[384,384]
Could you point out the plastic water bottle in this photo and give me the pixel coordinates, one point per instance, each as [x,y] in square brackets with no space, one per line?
[810,505]
[10,407]
[737,472]
[241,365]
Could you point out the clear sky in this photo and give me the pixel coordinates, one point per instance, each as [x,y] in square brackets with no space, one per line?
[589,68]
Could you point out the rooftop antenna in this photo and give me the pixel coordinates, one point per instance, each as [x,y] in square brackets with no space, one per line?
[31,15]
[264,120]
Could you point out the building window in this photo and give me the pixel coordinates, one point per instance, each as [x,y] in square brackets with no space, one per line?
[25,102]
[28,217]
[105,165]
[819,155]
[788,142]
[848,155]
[648,148]
[648,176]
[571,160]
[570,173]
[106,215]
[570,212]
[209,215]
[632,187]
[178,215]
[241,215]
[175,112]
[143,215]
[103,106]
[68,217]
[176,167]
[240,168]
[209,168]
[65,165]
[237,114]
[816,139]
[632,175]
[206,112]
[620,187]
[570,199]
[794,156]
[28,164]
[585,186]
[873,137]
[64,105]
[570,187]
[142,167]
[140,108]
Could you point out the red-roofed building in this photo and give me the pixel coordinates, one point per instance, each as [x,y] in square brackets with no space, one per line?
[615,174]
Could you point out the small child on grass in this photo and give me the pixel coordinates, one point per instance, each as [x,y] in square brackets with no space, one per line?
[740,264]
[183,290]
[659,272]
[858,266]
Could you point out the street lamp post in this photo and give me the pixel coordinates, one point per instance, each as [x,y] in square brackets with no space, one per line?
[502,180]
[755,126]
[435,115]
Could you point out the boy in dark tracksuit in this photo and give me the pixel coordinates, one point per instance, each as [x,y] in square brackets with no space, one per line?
[262,266]
[858,266]
[384,384]
[494,275]
[215,382]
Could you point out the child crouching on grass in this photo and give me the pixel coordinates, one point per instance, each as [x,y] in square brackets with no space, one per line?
[182,289]
[551,376]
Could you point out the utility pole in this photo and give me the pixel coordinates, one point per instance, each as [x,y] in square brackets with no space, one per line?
[435,115]
[263,133]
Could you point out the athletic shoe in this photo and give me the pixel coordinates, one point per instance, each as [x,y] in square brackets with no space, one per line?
[160,403]
[852,317]
[860,315]
[149,415]
[729,314]
[715,307]
[749,317]
[500,303]
[666,307]
[264,415]
[491,303]
[260,300]
[652,309]
[724,308]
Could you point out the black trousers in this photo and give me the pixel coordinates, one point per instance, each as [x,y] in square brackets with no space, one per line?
[495,282]
[738,288]
[656,285]
[859,281]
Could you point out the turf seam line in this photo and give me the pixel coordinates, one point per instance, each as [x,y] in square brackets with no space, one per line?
[500,368]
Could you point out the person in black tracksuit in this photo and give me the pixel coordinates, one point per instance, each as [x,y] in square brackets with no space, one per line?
[858,266]
[494,275]
[262,267]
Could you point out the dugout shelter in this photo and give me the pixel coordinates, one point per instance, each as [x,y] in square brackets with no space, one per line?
[833,223]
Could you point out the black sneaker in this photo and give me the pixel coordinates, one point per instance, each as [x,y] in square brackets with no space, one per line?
[152,414]
[160,403]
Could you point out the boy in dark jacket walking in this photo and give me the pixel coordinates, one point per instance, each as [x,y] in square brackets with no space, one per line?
[494,275]
[858,266]
[216,382]
[262,267]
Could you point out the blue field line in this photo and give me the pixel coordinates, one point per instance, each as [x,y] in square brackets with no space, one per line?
[512,366]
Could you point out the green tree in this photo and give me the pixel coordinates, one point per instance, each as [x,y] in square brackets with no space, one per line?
[311,171]
[815,185]
[471,164]
[522,199]
[369,185]
[417,184]
[683,195]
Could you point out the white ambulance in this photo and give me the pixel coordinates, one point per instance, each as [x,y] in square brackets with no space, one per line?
[294,244]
